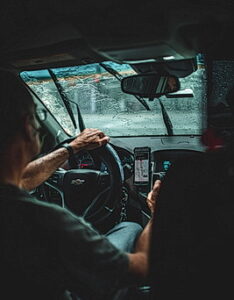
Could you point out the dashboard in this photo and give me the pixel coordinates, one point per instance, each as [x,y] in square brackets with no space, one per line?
[164,151]
[164,159]
[161,161]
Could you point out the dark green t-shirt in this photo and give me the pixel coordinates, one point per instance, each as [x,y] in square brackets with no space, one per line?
[46,250]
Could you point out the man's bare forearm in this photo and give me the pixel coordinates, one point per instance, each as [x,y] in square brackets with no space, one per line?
[36,172]
[138,261]
[39,170]
[143,242]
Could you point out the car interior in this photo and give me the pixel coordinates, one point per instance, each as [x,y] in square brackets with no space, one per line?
[153,75]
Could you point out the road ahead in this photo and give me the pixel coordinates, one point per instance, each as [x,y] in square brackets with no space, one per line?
[144,123]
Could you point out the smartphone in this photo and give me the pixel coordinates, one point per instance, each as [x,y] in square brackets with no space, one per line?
[142,165]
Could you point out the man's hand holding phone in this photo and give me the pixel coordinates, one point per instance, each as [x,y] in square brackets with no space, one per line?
[153,195]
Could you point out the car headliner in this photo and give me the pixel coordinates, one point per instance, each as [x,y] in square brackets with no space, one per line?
[46,33]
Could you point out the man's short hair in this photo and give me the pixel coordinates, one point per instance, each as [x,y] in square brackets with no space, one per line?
[15,102]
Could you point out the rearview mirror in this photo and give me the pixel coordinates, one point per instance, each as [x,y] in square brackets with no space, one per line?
[150,85]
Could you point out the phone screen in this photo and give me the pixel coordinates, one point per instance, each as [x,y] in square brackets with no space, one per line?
[142,165]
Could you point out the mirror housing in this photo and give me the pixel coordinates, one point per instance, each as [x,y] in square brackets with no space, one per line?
[187,93]
[150,85]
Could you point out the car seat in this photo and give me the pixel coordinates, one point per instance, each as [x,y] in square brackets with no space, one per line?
[193,230]
[192,250]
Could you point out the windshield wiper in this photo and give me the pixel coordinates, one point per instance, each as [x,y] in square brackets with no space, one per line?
[67,102]
[63,96]
[118,76]
[166,118]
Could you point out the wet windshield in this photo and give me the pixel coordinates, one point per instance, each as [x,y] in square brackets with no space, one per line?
[103,105]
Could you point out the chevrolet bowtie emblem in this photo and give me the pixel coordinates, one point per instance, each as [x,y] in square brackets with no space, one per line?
[78,181]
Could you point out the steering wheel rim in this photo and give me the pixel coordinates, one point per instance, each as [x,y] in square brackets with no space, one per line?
[111,159]
[103,213]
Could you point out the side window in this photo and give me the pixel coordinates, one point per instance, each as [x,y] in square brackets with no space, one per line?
[222,81]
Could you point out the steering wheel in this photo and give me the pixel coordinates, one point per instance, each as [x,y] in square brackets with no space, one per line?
[91,193]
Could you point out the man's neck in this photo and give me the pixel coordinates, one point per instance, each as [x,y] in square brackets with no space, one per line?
[12,164]
[10,176]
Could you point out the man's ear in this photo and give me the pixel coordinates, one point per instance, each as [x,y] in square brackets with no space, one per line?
[28,130]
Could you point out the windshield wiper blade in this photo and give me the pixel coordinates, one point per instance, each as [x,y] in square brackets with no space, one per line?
[80,119]
[67,102]
[166,119]
[119,77]
[63,96]
[111,71]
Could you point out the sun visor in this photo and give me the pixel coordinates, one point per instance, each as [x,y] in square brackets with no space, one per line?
[131,54]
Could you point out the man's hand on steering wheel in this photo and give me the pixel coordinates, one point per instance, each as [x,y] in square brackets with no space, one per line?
[89,139]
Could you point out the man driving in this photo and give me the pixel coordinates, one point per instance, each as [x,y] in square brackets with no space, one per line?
[46,250]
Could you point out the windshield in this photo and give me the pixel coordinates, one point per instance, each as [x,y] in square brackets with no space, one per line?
[103,105]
